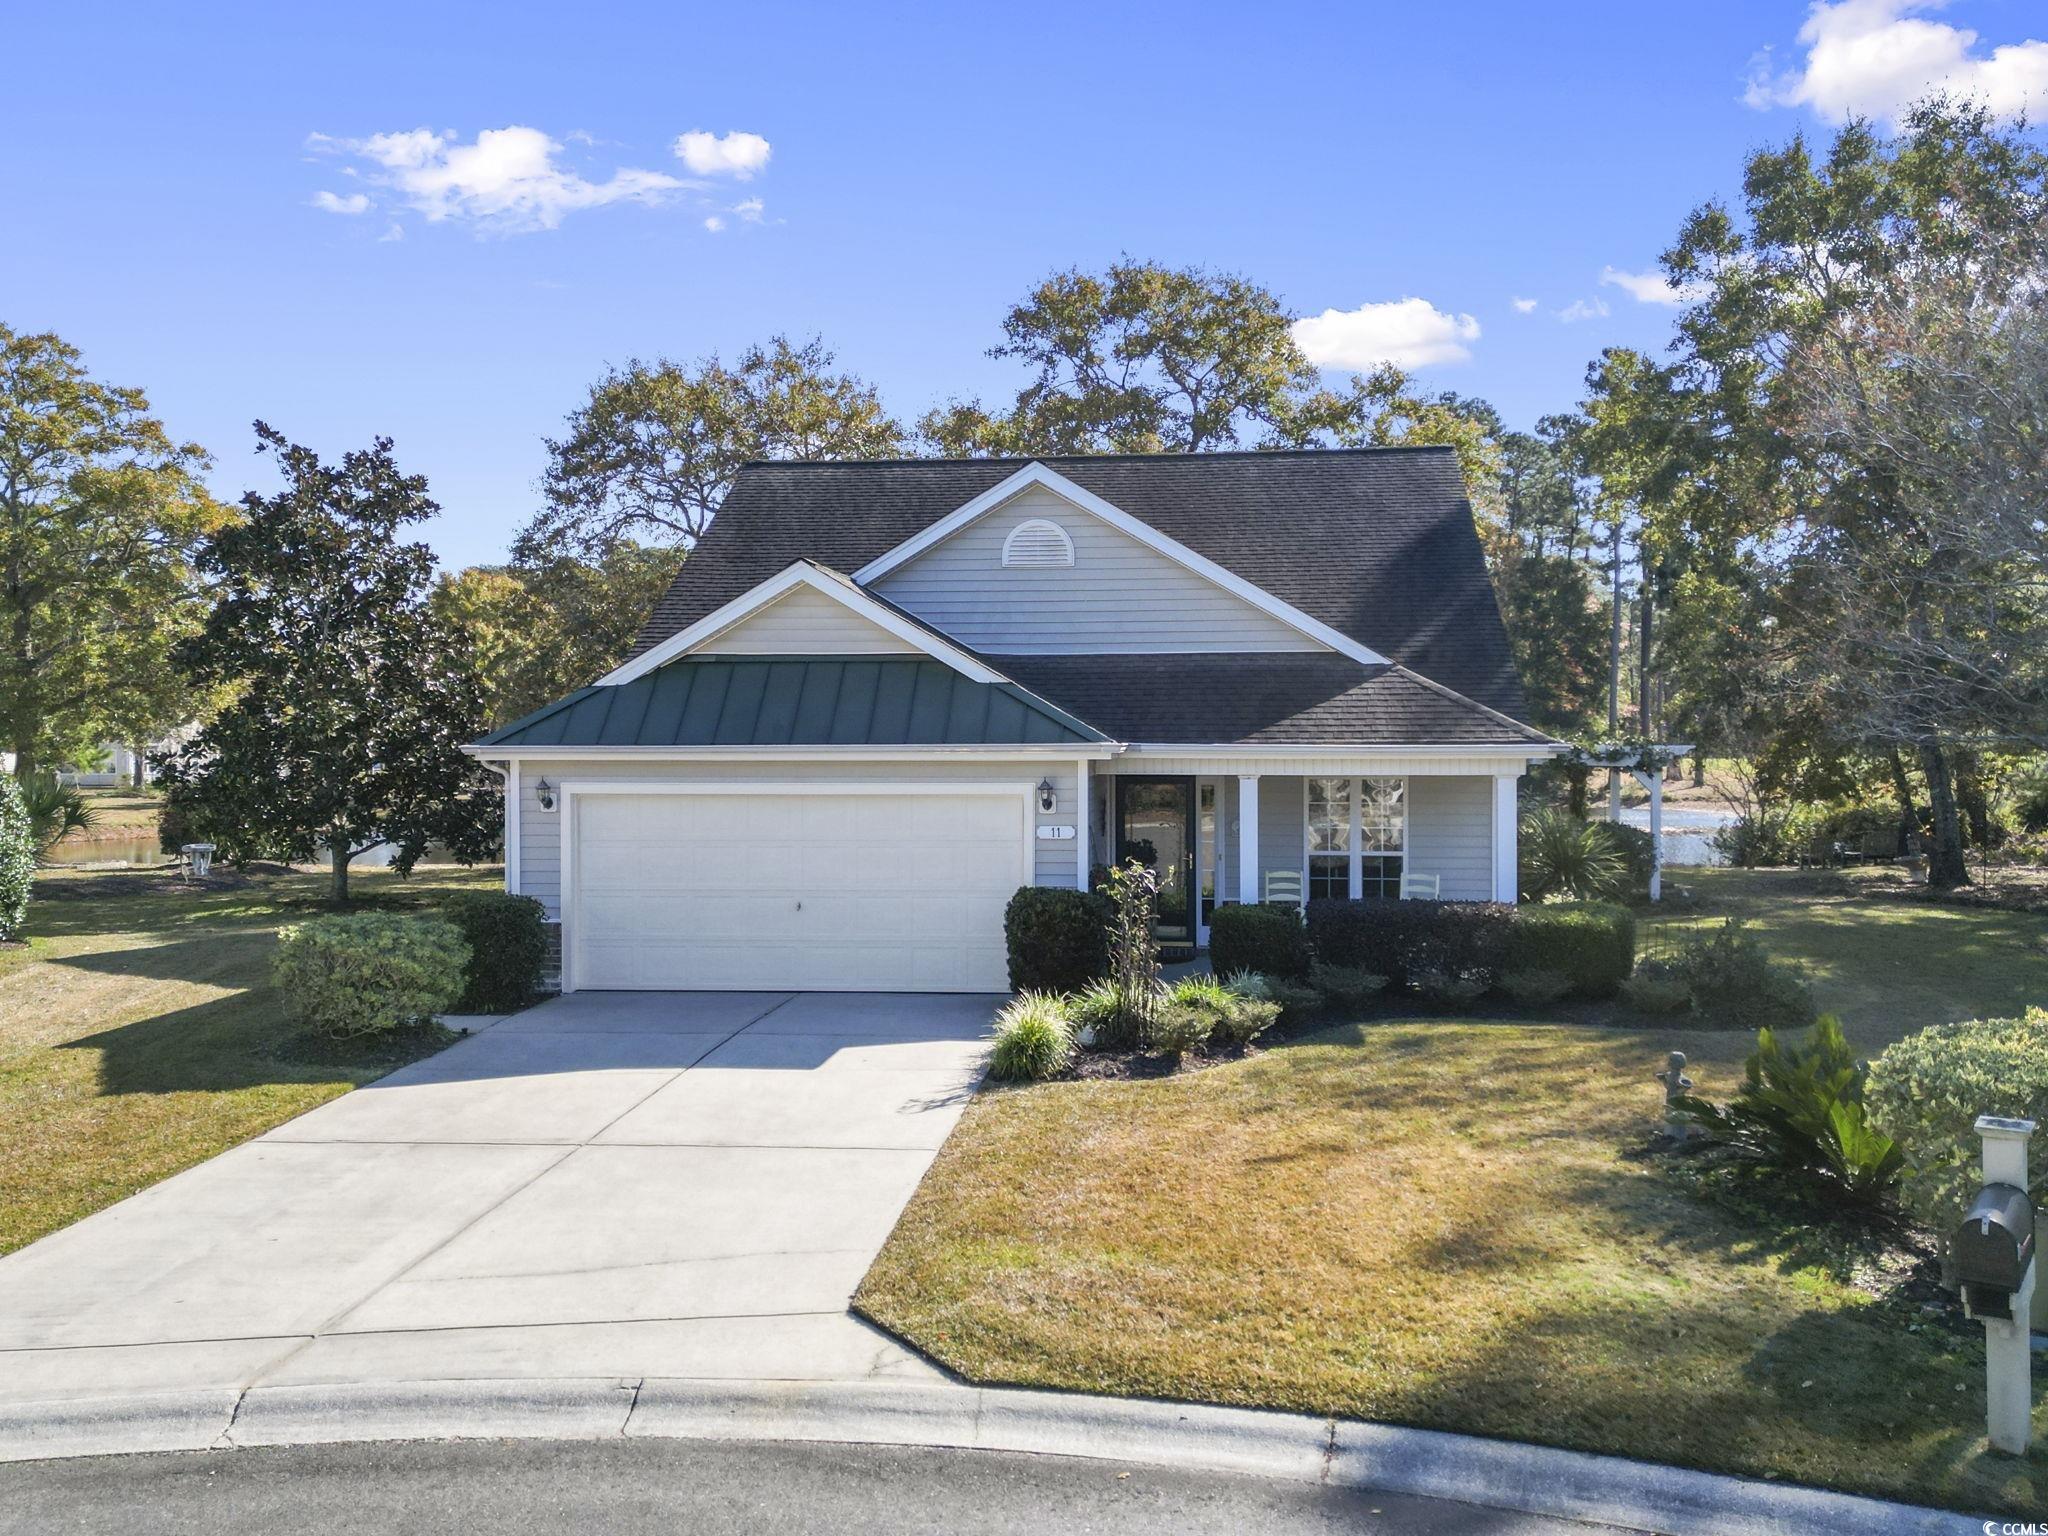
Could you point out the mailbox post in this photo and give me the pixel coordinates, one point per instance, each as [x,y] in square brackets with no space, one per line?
[1993,1248]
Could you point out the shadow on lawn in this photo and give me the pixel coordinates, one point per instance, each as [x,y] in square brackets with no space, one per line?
[237,1042]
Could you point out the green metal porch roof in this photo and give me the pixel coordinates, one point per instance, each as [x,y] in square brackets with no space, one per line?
[798,701]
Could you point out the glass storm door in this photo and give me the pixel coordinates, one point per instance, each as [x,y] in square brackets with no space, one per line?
[1155,824]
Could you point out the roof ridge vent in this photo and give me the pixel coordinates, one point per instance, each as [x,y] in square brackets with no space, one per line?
[1038,543]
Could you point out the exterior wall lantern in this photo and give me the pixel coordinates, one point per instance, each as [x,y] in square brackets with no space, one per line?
[1048,797]
[544,792]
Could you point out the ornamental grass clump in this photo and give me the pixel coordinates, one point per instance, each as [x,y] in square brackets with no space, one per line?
[1928,1089]
[1033,1039]
[369,973]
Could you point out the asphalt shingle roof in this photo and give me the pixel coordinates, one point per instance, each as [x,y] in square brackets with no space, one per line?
[797,701]
[1377,543]
[1291,698]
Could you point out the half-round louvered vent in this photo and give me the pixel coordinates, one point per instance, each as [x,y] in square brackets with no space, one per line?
[1038,542]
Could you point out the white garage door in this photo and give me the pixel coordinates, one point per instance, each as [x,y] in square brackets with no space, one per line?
[795,890]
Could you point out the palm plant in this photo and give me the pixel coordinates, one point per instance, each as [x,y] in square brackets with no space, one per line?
[1801,1110]
[55,811]
[1564,856]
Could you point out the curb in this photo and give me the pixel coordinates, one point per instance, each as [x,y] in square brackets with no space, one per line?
[1497,1474]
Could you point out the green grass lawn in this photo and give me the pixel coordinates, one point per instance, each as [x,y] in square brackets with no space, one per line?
[139,1033]
[1887,964]
[1453,1223]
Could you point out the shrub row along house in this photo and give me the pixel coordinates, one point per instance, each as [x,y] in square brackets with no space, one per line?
[881,696]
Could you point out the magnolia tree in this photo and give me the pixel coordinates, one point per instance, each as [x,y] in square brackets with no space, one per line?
[347,707]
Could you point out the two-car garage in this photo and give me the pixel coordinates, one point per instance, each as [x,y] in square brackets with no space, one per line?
[805,886]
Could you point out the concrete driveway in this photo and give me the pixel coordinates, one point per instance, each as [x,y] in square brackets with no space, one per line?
[629,1184]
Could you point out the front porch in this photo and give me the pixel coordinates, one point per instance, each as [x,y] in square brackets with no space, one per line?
[1229,830]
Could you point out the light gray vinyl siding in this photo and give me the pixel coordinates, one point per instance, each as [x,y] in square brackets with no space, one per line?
[806,623]
[1118,596]
[1283,826]
[540,842]
[1450,834]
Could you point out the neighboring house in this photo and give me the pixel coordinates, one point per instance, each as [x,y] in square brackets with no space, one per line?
[881,696]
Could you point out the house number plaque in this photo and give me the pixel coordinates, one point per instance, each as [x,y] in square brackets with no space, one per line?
[1055,834]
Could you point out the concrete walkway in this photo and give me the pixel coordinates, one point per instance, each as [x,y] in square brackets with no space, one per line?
[618,1185]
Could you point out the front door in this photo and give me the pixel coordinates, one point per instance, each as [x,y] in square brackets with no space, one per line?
[1155,824]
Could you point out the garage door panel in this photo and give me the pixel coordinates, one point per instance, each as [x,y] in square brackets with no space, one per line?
[825,891]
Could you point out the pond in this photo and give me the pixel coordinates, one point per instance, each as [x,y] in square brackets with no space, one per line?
[1688,832]
[107,853]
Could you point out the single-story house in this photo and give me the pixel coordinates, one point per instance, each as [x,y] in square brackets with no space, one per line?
[882,695]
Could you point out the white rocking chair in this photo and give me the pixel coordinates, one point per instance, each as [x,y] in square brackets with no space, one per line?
[1284,885]
[1421,887]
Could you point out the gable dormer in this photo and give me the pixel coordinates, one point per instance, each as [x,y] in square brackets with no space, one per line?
[1040,567]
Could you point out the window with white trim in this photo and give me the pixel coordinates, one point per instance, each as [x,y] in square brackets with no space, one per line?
[1356,836]
[1038,542]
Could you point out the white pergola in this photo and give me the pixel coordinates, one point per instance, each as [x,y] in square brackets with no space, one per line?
[1646,765]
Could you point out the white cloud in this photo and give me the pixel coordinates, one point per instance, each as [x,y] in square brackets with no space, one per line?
[738,155]
[355,202]
[1583,309]
[1409,333]
[396,231]
[1875,58]
[1524,306]
[1652,287]
[750,210]
[508,181]
[714,223]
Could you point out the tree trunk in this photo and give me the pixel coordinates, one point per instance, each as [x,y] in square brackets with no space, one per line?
[339,855]
[1699,771]
[1646,610]
[1945,868]
[1971,799]
[1909,817]
[1614,635]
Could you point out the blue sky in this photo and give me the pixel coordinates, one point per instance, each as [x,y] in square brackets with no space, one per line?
[888,178]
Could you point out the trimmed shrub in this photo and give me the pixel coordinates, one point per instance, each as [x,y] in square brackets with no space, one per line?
[368,973]
[1400,940]
[1296,999]
[1735,984]
[17,859]
[1227,1014]
[1268,939]
[1928,1089]
[1801,1110]
[1535,988]
[1178,1028]
[1058,939]
[1452,989]
[1638,851]
[1656,988]
[508,949]
[1345,986]
[1592,943]
[1033,1039]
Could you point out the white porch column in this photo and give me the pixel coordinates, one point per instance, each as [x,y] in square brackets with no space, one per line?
[1248,838]
[513,790]
[1084,822]
[1507,881]
[1654,782]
